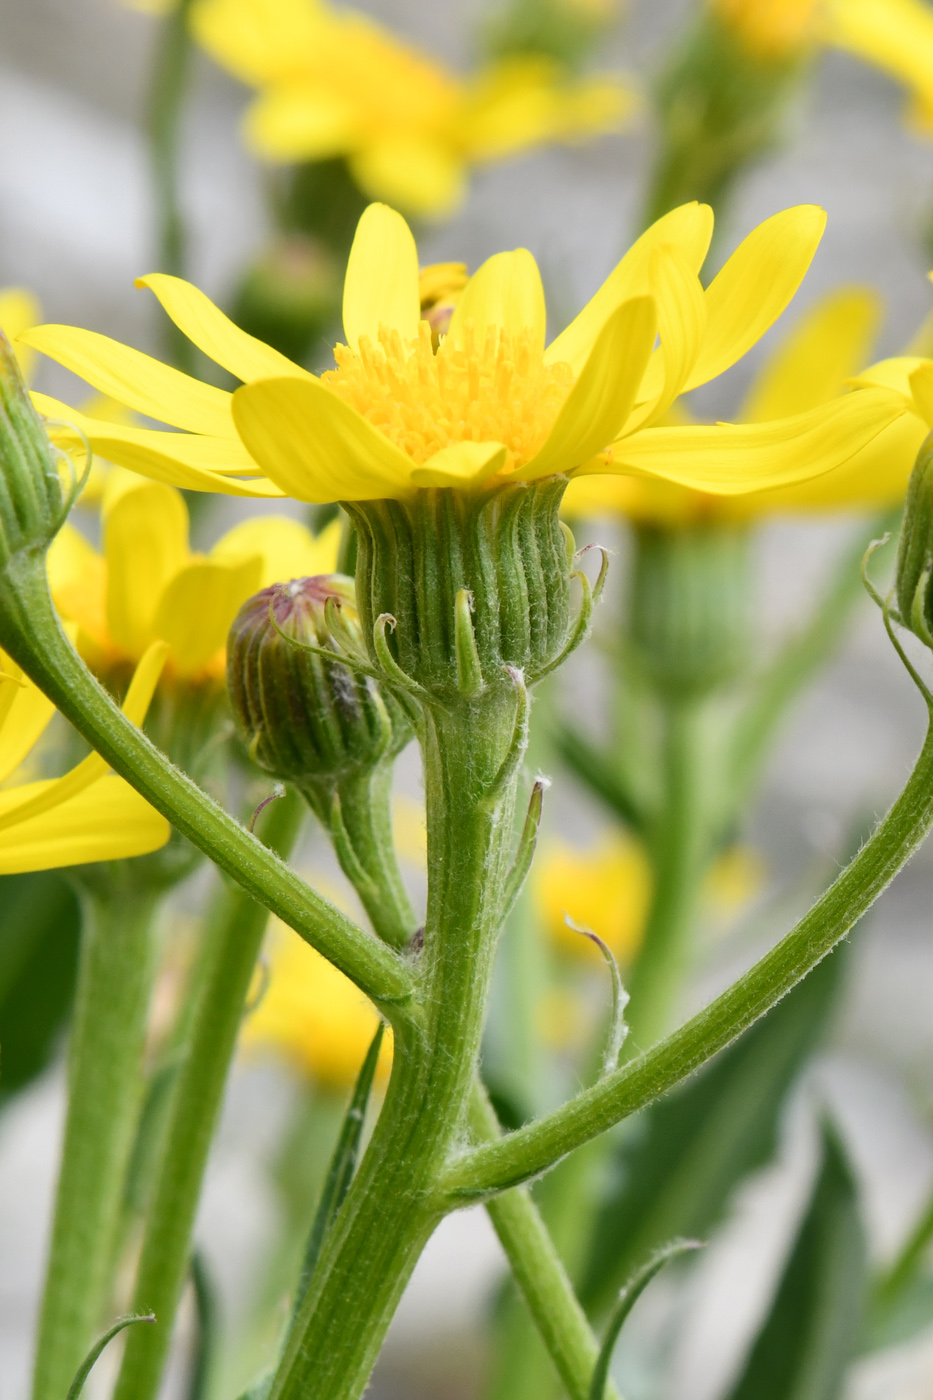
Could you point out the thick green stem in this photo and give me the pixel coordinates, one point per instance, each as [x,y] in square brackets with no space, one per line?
[535,1148]
[391,1207]
[167,92]
[680,854]
[104,1093]
[31,633]
[229,949]
[539,1272]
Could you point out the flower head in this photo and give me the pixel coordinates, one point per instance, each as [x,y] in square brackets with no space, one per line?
[87,815]
[335,83]
[147,585]
[493,404]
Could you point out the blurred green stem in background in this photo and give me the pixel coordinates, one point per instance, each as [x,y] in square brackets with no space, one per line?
[105,1084]
[229,948]
[168,91]
[721,109]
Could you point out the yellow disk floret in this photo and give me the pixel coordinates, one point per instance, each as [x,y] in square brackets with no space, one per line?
[501,391]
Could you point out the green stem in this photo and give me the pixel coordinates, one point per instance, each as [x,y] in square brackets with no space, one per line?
[392,1208]
[104,1093]
[539,1272]
[228,954]
[360,826]
[167,92]
[904,1268]
[31,633]
[680,854]
[535,1148]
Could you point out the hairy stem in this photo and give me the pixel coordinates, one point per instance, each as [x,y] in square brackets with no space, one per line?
[229,949]
[535,1148]
[104,1093]
[31,633]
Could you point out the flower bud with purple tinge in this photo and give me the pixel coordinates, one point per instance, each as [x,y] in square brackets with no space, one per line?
[303,716]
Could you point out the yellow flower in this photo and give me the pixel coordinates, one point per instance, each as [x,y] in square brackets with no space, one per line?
[893,35]
[313,1015]
[19,310]
[147,585]
[491,404]
[89,814]
[335,83]
[606,889]
[811,366]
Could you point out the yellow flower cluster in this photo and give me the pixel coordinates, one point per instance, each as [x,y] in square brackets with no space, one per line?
[286,431]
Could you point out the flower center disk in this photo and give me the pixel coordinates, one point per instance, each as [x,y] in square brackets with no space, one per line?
[501,391]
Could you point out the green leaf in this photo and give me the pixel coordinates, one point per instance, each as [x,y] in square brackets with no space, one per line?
[627,1299]
[685,1154]
[84,1370]
[812,1331]
[40,925]
[207,1327]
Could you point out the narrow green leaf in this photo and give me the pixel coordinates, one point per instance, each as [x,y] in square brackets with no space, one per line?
[207,1323]
[40,926]
[811,1334]
[627,1299]
[683,1157]
[342,1165]
[87,1365]
[618,1030]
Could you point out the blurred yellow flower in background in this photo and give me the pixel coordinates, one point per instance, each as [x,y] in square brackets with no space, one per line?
[606,887]
[492,404]
[147,584]
[87,815]
[333,82]
[19,310]
[312,1015]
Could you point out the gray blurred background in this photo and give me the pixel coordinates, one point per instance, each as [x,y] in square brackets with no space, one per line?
[75,227]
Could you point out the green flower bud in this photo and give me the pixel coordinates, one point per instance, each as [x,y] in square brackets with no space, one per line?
[913,584]
[305,718]
[690,606]
[33,495]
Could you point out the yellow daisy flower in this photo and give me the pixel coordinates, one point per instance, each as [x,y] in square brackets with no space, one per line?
[605,888]
[893,35]
[312,1015]
[89,814]
[147,584]
[813,365]
[335,83]
[493,403]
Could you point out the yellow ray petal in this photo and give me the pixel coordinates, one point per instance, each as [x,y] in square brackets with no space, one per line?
[601,399]
[178,459]
[505,292]
[198,606]
[108,821]
[137,380]
[19,309]
[78,583]
[875,478]
[293,121]
[35,799]
[420,174]
[381,286]
[210,330]
[731,459]
[921,388]
[287,548]
[681,326]
[316,447]
[689,228]
[891,374]
[813,363]
[748,295]
[145,536]
[24,714]
[894,35]
[461,464]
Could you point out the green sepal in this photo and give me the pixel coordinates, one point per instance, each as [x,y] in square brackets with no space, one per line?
[913,577]
[34,498]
